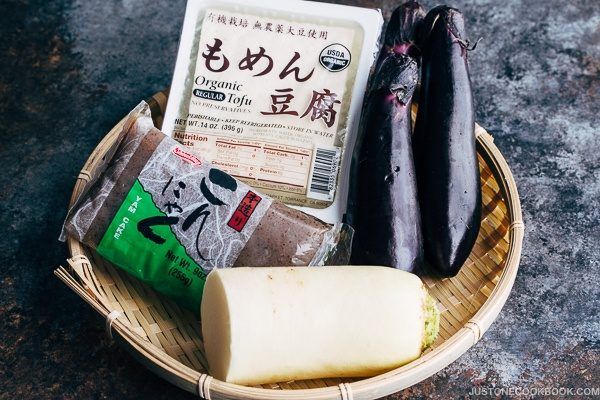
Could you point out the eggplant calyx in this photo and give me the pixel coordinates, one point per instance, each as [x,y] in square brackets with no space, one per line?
[403,92]
[398,75]
[454,22]
[456,27]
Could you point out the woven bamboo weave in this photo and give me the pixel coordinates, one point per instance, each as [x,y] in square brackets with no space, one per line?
[167,339]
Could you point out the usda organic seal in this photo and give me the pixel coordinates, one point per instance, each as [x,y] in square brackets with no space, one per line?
[335,57]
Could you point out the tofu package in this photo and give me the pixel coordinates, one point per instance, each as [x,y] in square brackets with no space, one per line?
[165,215]
[271,92]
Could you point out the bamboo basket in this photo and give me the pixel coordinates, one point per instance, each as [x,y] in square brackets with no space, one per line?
[167,339]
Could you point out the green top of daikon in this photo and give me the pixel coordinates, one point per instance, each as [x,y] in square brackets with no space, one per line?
[432,321]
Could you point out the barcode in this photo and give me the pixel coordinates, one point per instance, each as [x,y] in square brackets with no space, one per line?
[324,174]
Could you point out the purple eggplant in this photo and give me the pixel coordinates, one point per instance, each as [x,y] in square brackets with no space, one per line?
[383,208]
[444,143]
[400,34]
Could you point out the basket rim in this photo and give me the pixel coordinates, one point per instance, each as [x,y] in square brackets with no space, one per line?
[378,386]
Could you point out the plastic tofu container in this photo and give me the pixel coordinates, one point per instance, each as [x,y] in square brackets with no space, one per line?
[271,92]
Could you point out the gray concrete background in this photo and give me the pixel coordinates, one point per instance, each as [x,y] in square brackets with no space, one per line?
[70,69]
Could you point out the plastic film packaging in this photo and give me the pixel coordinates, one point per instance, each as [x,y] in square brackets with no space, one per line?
[165,215]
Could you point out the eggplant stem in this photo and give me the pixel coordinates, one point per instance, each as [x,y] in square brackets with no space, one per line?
[466,44]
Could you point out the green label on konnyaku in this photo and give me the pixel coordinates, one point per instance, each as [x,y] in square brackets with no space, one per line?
[181,219]
[165,266]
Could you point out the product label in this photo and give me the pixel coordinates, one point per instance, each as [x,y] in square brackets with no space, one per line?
[269,102]
[181,218]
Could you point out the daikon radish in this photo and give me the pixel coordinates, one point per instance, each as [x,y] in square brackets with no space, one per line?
[264,325]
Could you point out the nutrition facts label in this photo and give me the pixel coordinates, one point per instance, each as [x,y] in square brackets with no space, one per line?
[267,165]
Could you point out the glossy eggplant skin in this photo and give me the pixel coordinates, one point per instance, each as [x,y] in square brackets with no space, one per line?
[400,34]
[444,144]
[383,208]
